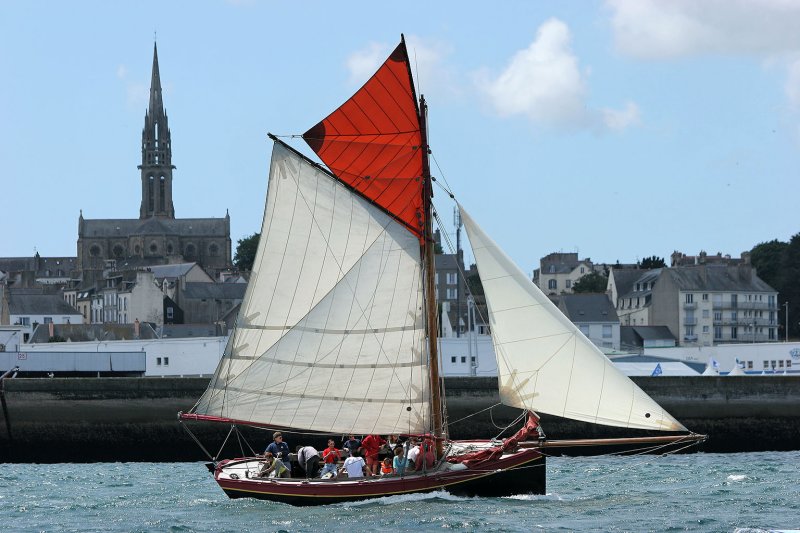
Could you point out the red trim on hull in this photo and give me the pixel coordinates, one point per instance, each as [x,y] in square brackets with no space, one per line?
[318,492]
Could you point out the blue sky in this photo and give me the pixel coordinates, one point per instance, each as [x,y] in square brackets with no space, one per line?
[617,129]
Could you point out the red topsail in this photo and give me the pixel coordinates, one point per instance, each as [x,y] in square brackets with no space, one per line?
[372,142]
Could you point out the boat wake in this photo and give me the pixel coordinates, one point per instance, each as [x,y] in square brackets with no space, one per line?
[407,498]
[736,477]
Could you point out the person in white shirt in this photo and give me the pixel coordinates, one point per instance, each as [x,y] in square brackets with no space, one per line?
[412,454]
[355,465]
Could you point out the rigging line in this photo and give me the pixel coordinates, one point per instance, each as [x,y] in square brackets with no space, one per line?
[476,413]
[441,173]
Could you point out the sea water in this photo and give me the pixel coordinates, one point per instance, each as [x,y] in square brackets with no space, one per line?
[694,492]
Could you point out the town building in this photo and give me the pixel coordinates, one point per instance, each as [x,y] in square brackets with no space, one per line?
[595,316]
[701,305]
[558,272]
[28,308]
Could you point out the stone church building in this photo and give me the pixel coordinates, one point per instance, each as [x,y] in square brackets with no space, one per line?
[156,237]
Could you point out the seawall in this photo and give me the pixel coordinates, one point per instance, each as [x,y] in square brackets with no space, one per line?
[135,419]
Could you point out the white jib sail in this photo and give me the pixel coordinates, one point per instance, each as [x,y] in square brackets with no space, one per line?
[330,336]
[544,362]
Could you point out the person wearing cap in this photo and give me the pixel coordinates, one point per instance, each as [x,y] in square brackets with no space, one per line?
[280,450]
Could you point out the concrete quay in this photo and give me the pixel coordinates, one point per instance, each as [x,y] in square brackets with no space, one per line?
[135,419]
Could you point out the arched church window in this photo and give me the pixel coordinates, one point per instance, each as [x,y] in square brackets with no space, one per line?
[118,250]
[137,249]
[151,194]
[153,247]
[213,250]
[94,250]
[190,250]
[170,248]
[162,194]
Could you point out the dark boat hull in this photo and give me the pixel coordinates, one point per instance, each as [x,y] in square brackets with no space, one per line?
[522,472]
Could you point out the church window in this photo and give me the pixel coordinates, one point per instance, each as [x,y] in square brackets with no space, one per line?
[153,247]
[213,250]
[118,250]
[137,249]
[150,194]
[162,194]
[169,248]
[190,250]
[94,251]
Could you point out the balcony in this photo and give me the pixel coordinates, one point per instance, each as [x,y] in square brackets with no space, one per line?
[689,305]
[690,338]
[690,321]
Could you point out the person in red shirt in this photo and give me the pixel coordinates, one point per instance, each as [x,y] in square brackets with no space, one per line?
[426,456]
[330,456]
[371,445]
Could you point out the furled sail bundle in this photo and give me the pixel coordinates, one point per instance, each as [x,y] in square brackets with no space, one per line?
[330,334]
[544,362]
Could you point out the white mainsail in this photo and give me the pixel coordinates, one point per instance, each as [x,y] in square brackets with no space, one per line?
[330,335]
[545,364]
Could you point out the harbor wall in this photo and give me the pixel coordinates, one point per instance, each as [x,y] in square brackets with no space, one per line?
[135,419]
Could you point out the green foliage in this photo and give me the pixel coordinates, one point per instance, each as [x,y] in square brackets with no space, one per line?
[56,338]
[778,264]
[591,282]
[767,258]
[474,284]
[245,254]
[652,262]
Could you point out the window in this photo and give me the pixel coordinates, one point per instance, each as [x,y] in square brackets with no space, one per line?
[717,316]
[689,331]
[583,270]
[705,296]
[606,332]
[705,329]
[766,365]
[734,332]
[771,332]
[750,365]
[569,283]
[452,294]
[166,361]
[689,298]
[706,313]
[717,332]
[453,359]
[158,361]
[48,320]
[170,312]
[584,329]
[734,300]
[780,363]
[463,358]
[451,278]
[552,284]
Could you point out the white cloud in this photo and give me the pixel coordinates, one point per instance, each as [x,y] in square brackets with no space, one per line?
[659,29]
[427,58]
[545,83]
[793,85]
[620,120]
[363,63]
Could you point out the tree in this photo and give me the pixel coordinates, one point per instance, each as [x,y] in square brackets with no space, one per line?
[591,282]
[652,262]
[789,284]
[767,258]
[245,254]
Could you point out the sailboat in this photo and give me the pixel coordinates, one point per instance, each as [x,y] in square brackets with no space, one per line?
[337,332]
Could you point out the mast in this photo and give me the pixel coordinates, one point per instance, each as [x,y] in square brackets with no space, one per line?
[430,284]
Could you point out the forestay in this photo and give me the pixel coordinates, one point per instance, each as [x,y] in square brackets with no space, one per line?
[330,334]
[545,363]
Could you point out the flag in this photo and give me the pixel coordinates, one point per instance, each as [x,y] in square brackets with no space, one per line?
[657,371]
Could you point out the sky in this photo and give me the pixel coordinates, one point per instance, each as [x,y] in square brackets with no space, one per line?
[616,129]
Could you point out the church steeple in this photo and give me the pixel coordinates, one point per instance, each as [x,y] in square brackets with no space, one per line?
[156,164]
